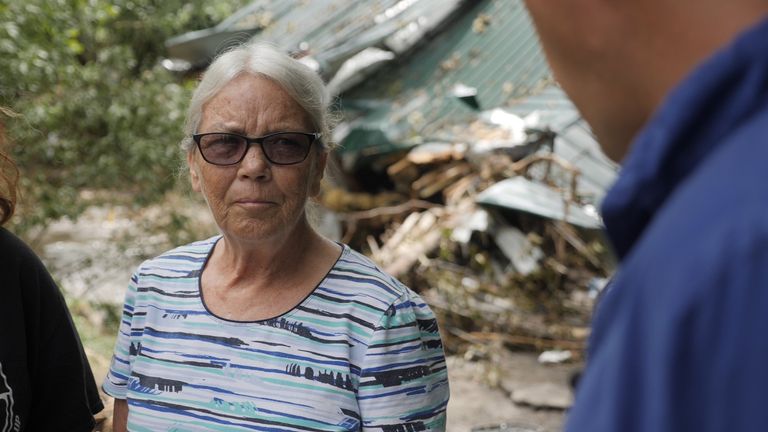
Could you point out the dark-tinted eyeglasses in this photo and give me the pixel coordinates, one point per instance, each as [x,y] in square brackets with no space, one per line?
[280,148]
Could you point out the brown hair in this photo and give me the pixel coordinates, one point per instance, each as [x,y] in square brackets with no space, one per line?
[9,174]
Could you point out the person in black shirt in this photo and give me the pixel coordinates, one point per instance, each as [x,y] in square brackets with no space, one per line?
[46,383]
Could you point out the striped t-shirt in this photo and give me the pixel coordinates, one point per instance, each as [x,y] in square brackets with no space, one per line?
[361,352]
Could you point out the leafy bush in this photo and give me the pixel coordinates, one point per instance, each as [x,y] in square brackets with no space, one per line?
[98,111]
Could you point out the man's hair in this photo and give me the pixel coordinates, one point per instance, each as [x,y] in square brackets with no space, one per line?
[9,174]
[262,59]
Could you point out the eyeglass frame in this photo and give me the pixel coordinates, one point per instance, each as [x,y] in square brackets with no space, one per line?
[250,141]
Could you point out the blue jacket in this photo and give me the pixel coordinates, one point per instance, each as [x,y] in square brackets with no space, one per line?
[680,340]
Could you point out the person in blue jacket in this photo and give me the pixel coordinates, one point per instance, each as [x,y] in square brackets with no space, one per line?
[677,91]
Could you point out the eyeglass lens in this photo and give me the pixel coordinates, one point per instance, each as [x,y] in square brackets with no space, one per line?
[280,148]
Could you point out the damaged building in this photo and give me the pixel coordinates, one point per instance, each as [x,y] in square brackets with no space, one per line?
[462,168]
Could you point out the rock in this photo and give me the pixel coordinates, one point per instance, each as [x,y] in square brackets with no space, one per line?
[506,427]
[475,406]
[544,395]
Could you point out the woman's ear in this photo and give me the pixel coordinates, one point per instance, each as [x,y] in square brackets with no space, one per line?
[194,176]
[320,162]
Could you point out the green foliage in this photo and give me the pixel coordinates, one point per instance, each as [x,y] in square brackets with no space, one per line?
[98,111]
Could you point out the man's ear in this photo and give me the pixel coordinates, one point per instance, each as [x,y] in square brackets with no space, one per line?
[194,177]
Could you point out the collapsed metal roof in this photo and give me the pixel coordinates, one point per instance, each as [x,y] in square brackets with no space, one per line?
[325,33]
[397,63]
[521,194]
[491,49]
[574,140]
[413,71]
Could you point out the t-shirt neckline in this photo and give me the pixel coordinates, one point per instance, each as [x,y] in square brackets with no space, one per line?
[344,251]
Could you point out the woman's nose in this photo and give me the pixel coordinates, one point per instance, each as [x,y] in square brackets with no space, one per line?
[255,164]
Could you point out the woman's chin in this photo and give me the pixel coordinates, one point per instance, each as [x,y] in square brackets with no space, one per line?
[257,229]
[251,232]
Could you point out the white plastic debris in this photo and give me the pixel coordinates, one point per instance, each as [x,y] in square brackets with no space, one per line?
[523,255]
[555,356]
[478,220]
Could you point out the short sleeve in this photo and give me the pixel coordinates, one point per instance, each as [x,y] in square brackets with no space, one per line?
[115,384]
[65,393]
[404,380]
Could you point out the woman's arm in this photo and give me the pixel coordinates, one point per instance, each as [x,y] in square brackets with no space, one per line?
[116,382]
[404,380]
[120,416]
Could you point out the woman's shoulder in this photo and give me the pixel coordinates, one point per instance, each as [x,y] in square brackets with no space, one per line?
[389,305]
[357,275]
[17,255]
[189,257]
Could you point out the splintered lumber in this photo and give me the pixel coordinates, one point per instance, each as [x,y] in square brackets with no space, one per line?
[415,237]
[435,181]
[432,153]
[459,189]
[408,206]
[340,200]
[403,173]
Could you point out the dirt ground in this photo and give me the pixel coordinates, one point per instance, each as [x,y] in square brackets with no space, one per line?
[482,393]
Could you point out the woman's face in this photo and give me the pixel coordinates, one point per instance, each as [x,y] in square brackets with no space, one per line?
[255,199]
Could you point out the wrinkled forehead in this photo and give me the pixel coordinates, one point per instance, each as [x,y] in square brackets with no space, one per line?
[253,104]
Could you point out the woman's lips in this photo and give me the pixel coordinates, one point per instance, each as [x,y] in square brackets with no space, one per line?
[254,202]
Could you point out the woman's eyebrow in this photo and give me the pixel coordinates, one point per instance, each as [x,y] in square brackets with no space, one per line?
[227,127]
[236,128]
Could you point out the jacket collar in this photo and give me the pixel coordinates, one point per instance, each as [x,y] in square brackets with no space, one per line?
[695,119]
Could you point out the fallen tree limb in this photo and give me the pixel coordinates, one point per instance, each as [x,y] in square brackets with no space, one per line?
[388,211]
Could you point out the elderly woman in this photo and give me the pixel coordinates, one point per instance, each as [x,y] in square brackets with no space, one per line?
[270,326]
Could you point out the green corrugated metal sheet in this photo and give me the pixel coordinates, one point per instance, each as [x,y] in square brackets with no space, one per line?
[327,30]
[504,62]
[486,44]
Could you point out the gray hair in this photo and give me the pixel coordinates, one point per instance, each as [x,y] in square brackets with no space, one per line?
[259,58]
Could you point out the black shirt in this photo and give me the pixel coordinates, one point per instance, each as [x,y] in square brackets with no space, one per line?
[46,383]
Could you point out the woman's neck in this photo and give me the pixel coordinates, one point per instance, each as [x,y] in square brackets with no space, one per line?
[267,258]
[255,281]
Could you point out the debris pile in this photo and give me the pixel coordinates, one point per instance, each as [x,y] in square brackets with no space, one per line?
[491,229]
